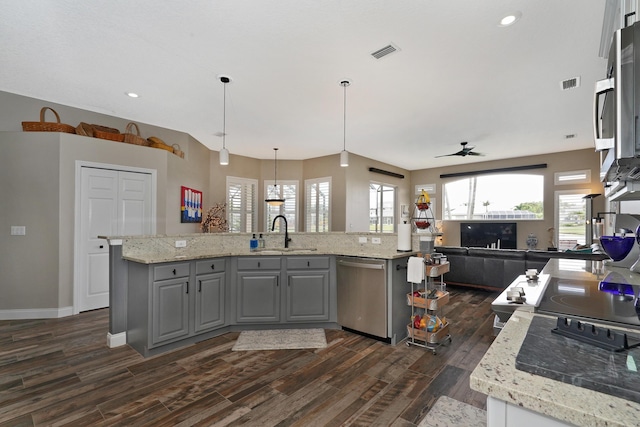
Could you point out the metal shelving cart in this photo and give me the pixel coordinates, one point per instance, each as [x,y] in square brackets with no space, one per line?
[430,306]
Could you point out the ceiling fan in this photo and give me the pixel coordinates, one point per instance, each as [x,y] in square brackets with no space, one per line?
[465,151]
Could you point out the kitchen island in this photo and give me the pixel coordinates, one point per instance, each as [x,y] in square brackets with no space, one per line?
[169,291]
[516,397]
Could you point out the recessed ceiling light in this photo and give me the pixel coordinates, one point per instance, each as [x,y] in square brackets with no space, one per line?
[132,94]
[510,19]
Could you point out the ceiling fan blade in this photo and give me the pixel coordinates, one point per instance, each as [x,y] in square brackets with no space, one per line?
[466,151]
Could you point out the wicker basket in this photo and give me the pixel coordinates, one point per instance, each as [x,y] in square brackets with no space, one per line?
[177,151]
[43,126]
[134,138]
[156,142]
[104,132]
[84,129]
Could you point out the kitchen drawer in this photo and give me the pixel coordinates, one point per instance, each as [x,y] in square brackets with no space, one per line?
[258,263]
[170,271]
[210,266]
[304,262]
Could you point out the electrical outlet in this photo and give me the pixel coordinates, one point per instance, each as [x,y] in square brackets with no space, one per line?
[18,230]
[362,240]
[181,243]
[375,240]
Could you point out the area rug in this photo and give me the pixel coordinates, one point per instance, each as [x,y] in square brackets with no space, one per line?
[448,412]
[280,339]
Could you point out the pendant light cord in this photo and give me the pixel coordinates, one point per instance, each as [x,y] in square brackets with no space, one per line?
[224,115]
[344,126]
[275,168]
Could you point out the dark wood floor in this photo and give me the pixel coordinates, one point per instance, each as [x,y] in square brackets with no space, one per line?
[60,372]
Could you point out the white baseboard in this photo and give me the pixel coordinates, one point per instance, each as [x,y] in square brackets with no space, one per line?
[116,340]
[36,313]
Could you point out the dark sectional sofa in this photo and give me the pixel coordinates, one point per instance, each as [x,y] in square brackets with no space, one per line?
[495,269]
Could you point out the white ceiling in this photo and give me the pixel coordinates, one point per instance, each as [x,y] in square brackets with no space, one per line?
[458,75]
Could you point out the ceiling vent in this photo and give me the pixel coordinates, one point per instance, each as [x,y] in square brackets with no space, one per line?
[387,50]
[570,83]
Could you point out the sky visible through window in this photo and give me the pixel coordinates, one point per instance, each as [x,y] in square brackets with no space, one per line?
[492,193]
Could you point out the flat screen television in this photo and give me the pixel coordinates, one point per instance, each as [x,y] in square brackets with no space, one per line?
[485,234]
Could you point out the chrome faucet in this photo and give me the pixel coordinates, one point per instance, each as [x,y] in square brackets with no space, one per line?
[286,229]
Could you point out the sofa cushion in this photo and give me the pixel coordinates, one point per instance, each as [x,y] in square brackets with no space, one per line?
[452,250]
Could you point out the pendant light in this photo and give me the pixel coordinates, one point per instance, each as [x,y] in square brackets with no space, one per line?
[344,155]
[274,198]
[224,153]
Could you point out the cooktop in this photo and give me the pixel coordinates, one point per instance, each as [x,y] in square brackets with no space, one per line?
[609,300]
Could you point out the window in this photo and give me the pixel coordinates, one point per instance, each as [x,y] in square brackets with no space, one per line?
[241,204]
[288,191]
[570,218]
[382,207]
[494,198]
[317,205]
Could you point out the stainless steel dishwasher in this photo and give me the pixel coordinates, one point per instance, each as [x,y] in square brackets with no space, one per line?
[362,295]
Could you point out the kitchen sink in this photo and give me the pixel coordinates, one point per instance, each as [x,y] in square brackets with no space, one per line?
[280,251]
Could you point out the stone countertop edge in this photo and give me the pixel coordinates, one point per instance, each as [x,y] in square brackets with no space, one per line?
[496,376]
[157,259]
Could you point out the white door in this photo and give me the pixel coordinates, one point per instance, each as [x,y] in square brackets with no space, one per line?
[112,203]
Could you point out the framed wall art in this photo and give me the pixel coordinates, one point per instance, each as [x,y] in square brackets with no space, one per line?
[190,205]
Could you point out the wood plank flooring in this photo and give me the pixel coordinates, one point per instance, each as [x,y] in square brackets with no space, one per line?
[59,372]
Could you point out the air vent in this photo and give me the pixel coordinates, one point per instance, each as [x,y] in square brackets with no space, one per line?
[380,53]
[570,83]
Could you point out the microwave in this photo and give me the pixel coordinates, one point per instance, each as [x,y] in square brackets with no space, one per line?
[617,109]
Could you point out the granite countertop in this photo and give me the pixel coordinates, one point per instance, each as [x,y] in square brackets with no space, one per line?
[159,248]
[156,258]
[496,376]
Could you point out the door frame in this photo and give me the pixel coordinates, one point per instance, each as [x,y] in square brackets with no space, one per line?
[77,244]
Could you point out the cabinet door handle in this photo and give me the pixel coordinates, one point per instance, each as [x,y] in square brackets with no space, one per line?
[308,263]
[199,285]
[213,266]
[174,271]
[187,287]
[258,264]
[277,281]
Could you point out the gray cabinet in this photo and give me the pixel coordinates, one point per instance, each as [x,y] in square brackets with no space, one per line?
[293,289]
[209,295]
[307,290]
[170,302]
[258,290]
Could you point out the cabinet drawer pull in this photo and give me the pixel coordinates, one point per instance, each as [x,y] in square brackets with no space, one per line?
[213,266]
[308,263]
[199,285]
[187,287]
[174,271]
[277,281]
[258,264]
[101,246]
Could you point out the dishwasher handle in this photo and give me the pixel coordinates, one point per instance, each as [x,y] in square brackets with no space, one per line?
[361,265]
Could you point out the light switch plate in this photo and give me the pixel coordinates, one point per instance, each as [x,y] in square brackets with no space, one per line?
[375,240]
[181,243]
[362,240]
[18,230]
